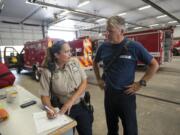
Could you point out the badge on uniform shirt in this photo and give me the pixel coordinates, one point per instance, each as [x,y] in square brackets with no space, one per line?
[74,67]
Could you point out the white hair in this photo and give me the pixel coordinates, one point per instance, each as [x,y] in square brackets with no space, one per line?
[117,21]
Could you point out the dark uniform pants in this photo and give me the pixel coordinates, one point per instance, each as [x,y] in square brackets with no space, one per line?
[83,118]
[123,106]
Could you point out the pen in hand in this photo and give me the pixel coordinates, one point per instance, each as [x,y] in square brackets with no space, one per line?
[51,113]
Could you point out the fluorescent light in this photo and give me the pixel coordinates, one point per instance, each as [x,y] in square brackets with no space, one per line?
[2,6]
[65,12]
[101,20]
[145,7]
[137,28]
[177,25]
[152,25]
[172,22]
[122,14]
[84,3]
[78,10]
[33,2]
[161,16]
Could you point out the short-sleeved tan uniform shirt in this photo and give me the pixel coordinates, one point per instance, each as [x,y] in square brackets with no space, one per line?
[65,81]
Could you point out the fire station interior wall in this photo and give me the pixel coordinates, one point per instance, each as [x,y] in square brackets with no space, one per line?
[91,34]
[176,32]
[13,35]
[16,35]
[62,34]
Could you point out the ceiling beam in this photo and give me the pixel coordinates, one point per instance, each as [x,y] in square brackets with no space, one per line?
[150,17]
[161,10]
[27,24]
[67,8]
[80,12]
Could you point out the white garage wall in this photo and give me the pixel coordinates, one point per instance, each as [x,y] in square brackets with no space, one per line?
[177,32]
[91,34]
[65,35]
[13,35]
[16,35]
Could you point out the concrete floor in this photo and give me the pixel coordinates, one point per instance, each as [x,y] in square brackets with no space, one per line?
[158,105]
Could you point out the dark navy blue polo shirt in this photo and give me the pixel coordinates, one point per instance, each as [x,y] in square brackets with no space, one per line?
[122,71]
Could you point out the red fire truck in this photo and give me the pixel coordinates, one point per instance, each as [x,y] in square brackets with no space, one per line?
[82,49]
[33,54]
[176,48]
[158,42]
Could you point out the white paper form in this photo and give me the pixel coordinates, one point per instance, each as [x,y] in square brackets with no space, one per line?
[44,124]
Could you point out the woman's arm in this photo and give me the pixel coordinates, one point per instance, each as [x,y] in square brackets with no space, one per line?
[79,91]
[46,102]
[67,106]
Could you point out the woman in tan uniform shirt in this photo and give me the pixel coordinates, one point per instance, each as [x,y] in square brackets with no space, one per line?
[69,82]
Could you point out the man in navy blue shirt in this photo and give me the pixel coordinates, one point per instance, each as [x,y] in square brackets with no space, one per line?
[118,80]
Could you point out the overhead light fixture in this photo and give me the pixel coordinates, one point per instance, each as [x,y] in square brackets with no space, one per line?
[178,25]
[83,3]
[1,5]
[161,16]
[172,22]
[137,28]
[101,20]
[65,12]
[144,7]
[153,25]
[78,10]
[126,25]
[33,2]
[122,14]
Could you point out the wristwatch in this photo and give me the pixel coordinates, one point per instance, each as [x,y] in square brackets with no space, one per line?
[142,83]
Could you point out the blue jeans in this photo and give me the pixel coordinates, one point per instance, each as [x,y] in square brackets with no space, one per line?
[123,106]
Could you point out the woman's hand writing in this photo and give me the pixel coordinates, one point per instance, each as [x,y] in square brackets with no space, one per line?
[51,112]
[67,106]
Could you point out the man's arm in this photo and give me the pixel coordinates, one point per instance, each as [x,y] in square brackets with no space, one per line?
[98,77]
[96,70]
[152,69]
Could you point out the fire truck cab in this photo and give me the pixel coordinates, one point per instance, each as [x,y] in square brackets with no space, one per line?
[32,56]
[11,57]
